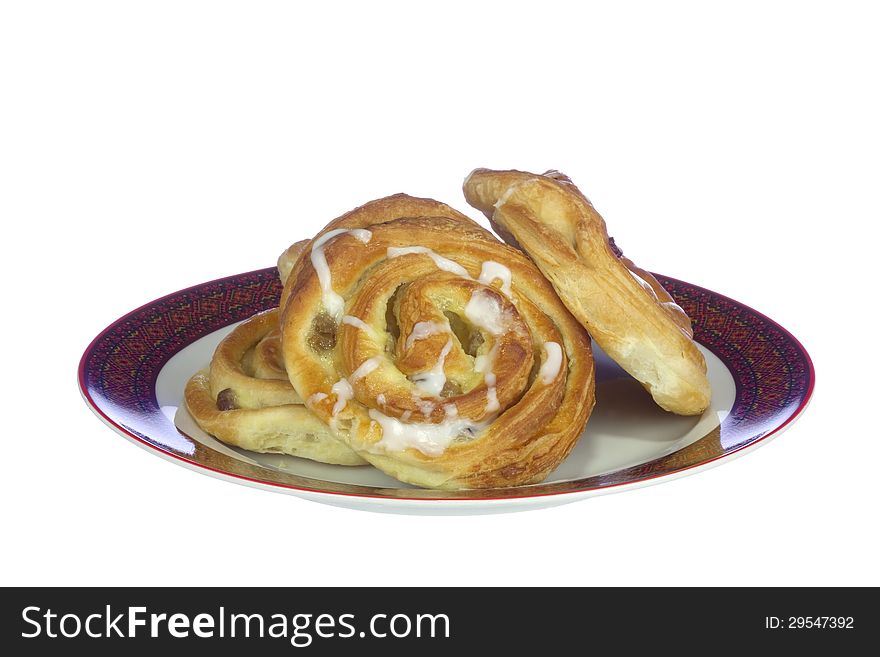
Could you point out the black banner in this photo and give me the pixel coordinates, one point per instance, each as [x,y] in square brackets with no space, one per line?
[433,621]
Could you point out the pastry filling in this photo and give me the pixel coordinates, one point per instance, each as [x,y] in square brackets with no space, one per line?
[322,337]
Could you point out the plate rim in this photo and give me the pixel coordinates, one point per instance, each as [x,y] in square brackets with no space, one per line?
[419,501]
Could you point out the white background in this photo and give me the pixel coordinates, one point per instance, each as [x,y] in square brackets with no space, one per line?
[145,147]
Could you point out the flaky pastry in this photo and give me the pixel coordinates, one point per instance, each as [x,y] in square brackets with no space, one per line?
[626,310]
[245,398]
[439,354]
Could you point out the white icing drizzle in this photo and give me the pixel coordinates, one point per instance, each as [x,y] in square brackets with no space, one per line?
[451,411]
[442,263]
[492,404]
[343,390]
[358,323]
[406,416]
[361,234]
[380,399]
[432,382]
[425,406]
[424,330]
[365,368]
[492,270]
[333,303]
[485,364]
[551,366]
[344,393]
[484,311]
[429,439]
[316,398]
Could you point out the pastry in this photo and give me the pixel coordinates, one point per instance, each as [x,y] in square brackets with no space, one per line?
[437,353]
[245,398]
[626,310]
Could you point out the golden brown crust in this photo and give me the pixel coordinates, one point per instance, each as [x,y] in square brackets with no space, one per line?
[287,260]
[625,308]
[412,321]
[247,361]
[242,400]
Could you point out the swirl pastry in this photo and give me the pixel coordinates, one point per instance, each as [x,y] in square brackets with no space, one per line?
[436,352]
[625,309]
[245,398]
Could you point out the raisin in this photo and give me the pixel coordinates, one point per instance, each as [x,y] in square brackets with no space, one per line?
[323,334]
[450,389]
[226,400]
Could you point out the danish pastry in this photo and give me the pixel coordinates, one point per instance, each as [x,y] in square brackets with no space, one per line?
[437,353]
[626,310]
[245,397]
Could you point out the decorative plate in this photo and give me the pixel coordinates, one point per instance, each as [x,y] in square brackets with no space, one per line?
[133,374]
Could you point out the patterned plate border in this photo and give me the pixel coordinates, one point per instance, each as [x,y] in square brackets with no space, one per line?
[773,373]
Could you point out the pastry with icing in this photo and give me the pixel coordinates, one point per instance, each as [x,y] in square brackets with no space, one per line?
[434,351]
[245,398]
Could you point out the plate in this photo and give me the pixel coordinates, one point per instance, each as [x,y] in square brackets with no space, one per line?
[133,374]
